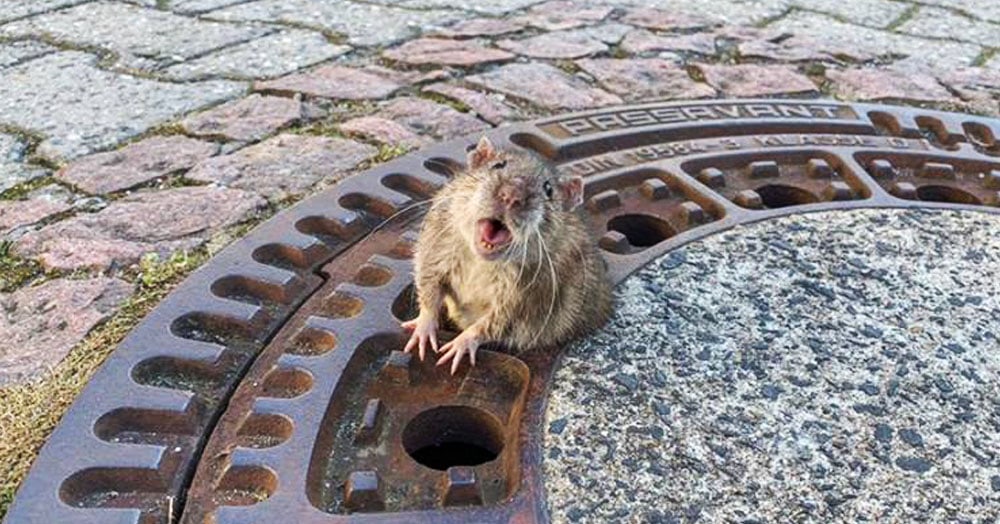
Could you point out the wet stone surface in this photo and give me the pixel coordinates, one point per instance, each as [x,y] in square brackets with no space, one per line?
[856,382]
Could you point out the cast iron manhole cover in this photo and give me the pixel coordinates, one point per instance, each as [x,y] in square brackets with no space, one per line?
[269,387]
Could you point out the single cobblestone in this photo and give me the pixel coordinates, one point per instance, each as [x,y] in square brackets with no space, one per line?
[148,222]
[943,23]
[428,118]
[86,108]
[13,53]
[854,40]
[269,56]
[440,51]
[480,27]
[337,82]
[384,131]
[888,85]
[247,119]
[796,49]
[652,18]
[756,80]
[135,164]
[489,107]
[641,41]
[364,24]
[41,324]
[545,86]
[133,31]
[645,78]
[559,15]
[557,45]
[283,166]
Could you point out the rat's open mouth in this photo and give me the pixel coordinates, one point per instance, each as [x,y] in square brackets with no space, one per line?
[493,237]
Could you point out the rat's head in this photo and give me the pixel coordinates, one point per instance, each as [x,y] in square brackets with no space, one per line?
[510,197]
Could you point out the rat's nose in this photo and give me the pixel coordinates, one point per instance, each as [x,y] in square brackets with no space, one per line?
[510,197]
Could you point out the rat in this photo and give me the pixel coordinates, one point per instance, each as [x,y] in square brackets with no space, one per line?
[504,252]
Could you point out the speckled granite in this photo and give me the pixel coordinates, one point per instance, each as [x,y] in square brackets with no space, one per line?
[836,367]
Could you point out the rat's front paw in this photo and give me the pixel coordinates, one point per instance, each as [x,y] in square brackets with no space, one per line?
[424,333]
[464,343]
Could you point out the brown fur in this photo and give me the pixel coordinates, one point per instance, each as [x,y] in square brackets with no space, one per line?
[521,305]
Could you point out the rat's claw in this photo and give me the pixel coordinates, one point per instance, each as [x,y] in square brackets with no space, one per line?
[456,349]
[409,325]
[423,331]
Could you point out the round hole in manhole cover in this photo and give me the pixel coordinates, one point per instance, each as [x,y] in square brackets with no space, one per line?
[449,436]
[270,383]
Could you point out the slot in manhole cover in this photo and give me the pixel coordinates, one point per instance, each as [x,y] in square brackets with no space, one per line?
[268,386]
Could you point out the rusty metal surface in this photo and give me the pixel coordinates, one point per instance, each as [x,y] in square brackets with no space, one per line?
[266,387]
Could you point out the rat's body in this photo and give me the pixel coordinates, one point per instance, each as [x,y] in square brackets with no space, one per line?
[503,251]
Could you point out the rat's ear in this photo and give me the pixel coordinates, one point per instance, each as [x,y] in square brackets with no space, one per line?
[482,153]
[572,191]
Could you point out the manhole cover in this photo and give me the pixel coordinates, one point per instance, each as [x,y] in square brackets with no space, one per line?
[268,386]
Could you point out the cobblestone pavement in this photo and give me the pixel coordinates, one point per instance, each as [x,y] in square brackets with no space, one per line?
[127,125]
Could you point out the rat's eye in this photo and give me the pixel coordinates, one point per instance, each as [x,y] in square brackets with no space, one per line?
[547,187]
[499,165]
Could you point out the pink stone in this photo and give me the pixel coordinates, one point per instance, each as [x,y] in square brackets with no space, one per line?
[428,118]
[545,86]
[384,131]
[17,213]
[151,221]
[283,166]
[561,44]
[750,80]
[642,41]
[557,15]
[887,84]
[247,119]
[977,85]
[440,51]
[659,19]
[335,81]
[135,164]
[489,107]
[787,51]
[481,27]
[645,78]
[43,323]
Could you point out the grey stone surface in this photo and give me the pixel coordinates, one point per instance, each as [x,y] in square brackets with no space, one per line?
[935,54]
[875,13]
[773,373]
[364,24]
[200,6]
[137,34]
[944,23]
[985,9]
[81,108]
[273,55]
[13,53]
[14,9]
